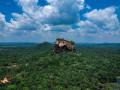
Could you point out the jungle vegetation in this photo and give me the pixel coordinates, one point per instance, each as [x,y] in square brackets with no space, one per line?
[31,67]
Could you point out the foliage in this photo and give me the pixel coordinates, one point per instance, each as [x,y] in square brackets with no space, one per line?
[44,46]
[93,67]
[72,43]
[60,39]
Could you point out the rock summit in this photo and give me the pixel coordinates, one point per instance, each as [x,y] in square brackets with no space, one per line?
[64,45]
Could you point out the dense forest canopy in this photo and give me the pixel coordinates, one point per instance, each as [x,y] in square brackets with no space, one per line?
[31,67]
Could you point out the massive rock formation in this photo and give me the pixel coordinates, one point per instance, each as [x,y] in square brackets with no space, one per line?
[64,45]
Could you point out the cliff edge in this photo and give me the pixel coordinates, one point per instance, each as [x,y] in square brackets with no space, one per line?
[64,45]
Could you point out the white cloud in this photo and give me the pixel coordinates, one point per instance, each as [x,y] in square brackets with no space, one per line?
[2,34]
[57,17]
[100,23]
[22,22]
[2,22]
[104,18]
[61,28]
[56,13]
[87,28]
[88,7]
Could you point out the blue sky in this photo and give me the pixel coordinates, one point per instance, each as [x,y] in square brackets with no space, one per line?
[90,21]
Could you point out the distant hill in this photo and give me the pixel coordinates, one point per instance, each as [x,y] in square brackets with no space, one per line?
[16,44]
[44,46]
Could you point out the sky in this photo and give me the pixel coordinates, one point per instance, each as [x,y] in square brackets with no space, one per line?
[87,21]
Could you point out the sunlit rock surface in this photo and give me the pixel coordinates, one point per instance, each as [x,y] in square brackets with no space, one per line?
[64,45]
[5,80]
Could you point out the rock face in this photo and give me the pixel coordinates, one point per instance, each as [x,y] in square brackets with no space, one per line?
[5,80]
[64,45]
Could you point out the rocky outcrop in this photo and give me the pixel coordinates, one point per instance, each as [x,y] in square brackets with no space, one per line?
[64,45]
[5,80]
